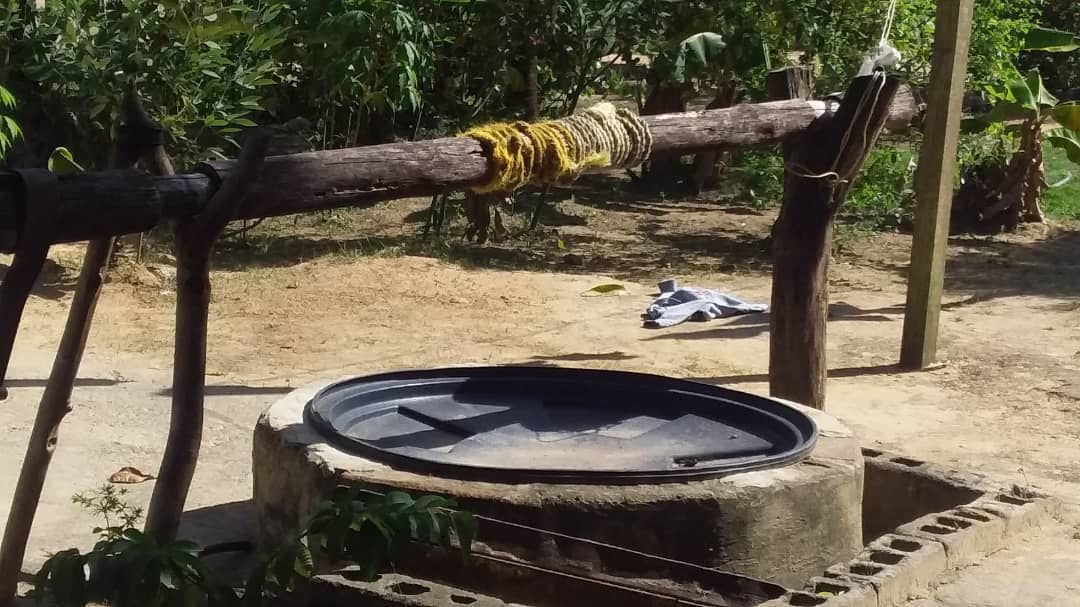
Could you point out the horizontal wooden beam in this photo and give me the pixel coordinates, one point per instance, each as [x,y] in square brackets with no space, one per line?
[113,203]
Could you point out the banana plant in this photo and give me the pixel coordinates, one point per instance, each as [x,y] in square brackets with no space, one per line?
[1029,111]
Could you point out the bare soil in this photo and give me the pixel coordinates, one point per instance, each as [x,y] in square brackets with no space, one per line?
[358,291]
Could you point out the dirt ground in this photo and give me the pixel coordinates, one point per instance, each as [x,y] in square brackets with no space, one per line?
[354,292]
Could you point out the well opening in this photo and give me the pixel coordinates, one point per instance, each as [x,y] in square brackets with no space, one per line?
[675,469]
[604,490]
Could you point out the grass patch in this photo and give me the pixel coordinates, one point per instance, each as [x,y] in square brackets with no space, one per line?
[1062,202]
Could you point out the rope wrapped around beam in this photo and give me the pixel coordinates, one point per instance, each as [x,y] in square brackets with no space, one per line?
[557,151]
[124,202]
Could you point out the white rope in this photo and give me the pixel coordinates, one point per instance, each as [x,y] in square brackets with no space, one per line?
[870,99]
[890,17]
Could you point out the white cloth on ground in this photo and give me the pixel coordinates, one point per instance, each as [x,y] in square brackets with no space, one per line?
[679,305]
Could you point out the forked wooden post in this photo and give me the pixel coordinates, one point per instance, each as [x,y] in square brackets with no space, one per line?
[136,137]
[194,240]
[820,166]
[934,182]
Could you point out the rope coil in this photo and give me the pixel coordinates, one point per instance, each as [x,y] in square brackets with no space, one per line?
[558,151]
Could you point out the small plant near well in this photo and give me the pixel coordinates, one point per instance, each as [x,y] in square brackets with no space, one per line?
[109,502]
[128,568]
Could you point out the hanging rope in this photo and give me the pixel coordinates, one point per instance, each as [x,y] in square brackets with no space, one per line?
[557,151]
[869,100]
[885,55]
[890,17]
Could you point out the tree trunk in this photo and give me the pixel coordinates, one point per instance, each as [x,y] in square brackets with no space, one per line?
[1018,197]
[704,176]
[821,166]
[802,245]
[1035,183]
[664,167]
[111,203]
[532,83]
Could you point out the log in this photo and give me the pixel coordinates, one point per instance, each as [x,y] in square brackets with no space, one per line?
[115,203]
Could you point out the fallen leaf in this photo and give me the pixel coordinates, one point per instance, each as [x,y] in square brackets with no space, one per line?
[129,476]
[605,289]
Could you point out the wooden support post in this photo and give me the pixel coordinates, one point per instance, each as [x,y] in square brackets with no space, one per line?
[194,240]
[55,405]
[535,220]
[820,168]
[135,141]
[41,201]
[934,182]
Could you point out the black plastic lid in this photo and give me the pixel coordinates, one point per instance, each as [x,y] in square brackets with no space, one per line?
[558,425]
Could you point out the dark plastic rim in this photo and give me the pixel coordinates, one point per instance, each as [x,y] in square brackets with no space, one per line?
[327,409]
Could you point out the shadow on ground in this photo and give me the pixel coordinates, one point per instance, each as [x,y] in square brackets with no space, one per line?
[229,527]
[846,372]
[53,283]
[755,325]
[237,390]
[990,269]
[597,226]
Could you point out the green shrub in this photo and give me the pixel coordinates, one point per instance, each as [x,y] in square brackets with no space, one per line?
[761,175]
[882,197]
[128,568]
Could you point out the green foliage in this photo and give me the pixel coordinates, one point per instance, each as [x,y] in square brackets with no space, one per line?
[697,54]
[762,175]
[368,529]
[355,61]
[1061,70]
[1027,99]
[131,570]
[204,68]
[882,197]
[128,568]
[9,129]
[62,162]
[365,71]
[1052,40]
[1062,199]
[108,503]
[836,34]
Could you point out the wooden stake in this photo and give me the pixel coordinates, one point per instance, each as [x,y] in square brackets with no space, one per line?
[41,201]
[934,182]
[55,405]
[820,168]
[56,400]
[194,240]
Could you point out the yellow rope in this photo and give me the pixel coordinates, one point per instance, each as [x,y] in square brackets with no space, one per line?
[555,151]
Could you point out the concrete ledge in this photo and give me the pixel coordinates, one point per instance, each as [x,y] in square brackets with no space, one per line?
[909,566]
[1019,515]
[391,590]
[966,541]
[842,591]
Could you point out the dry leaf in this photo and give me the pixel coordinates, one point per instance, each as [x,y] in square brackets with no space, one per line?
[129,476]
[605,289]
